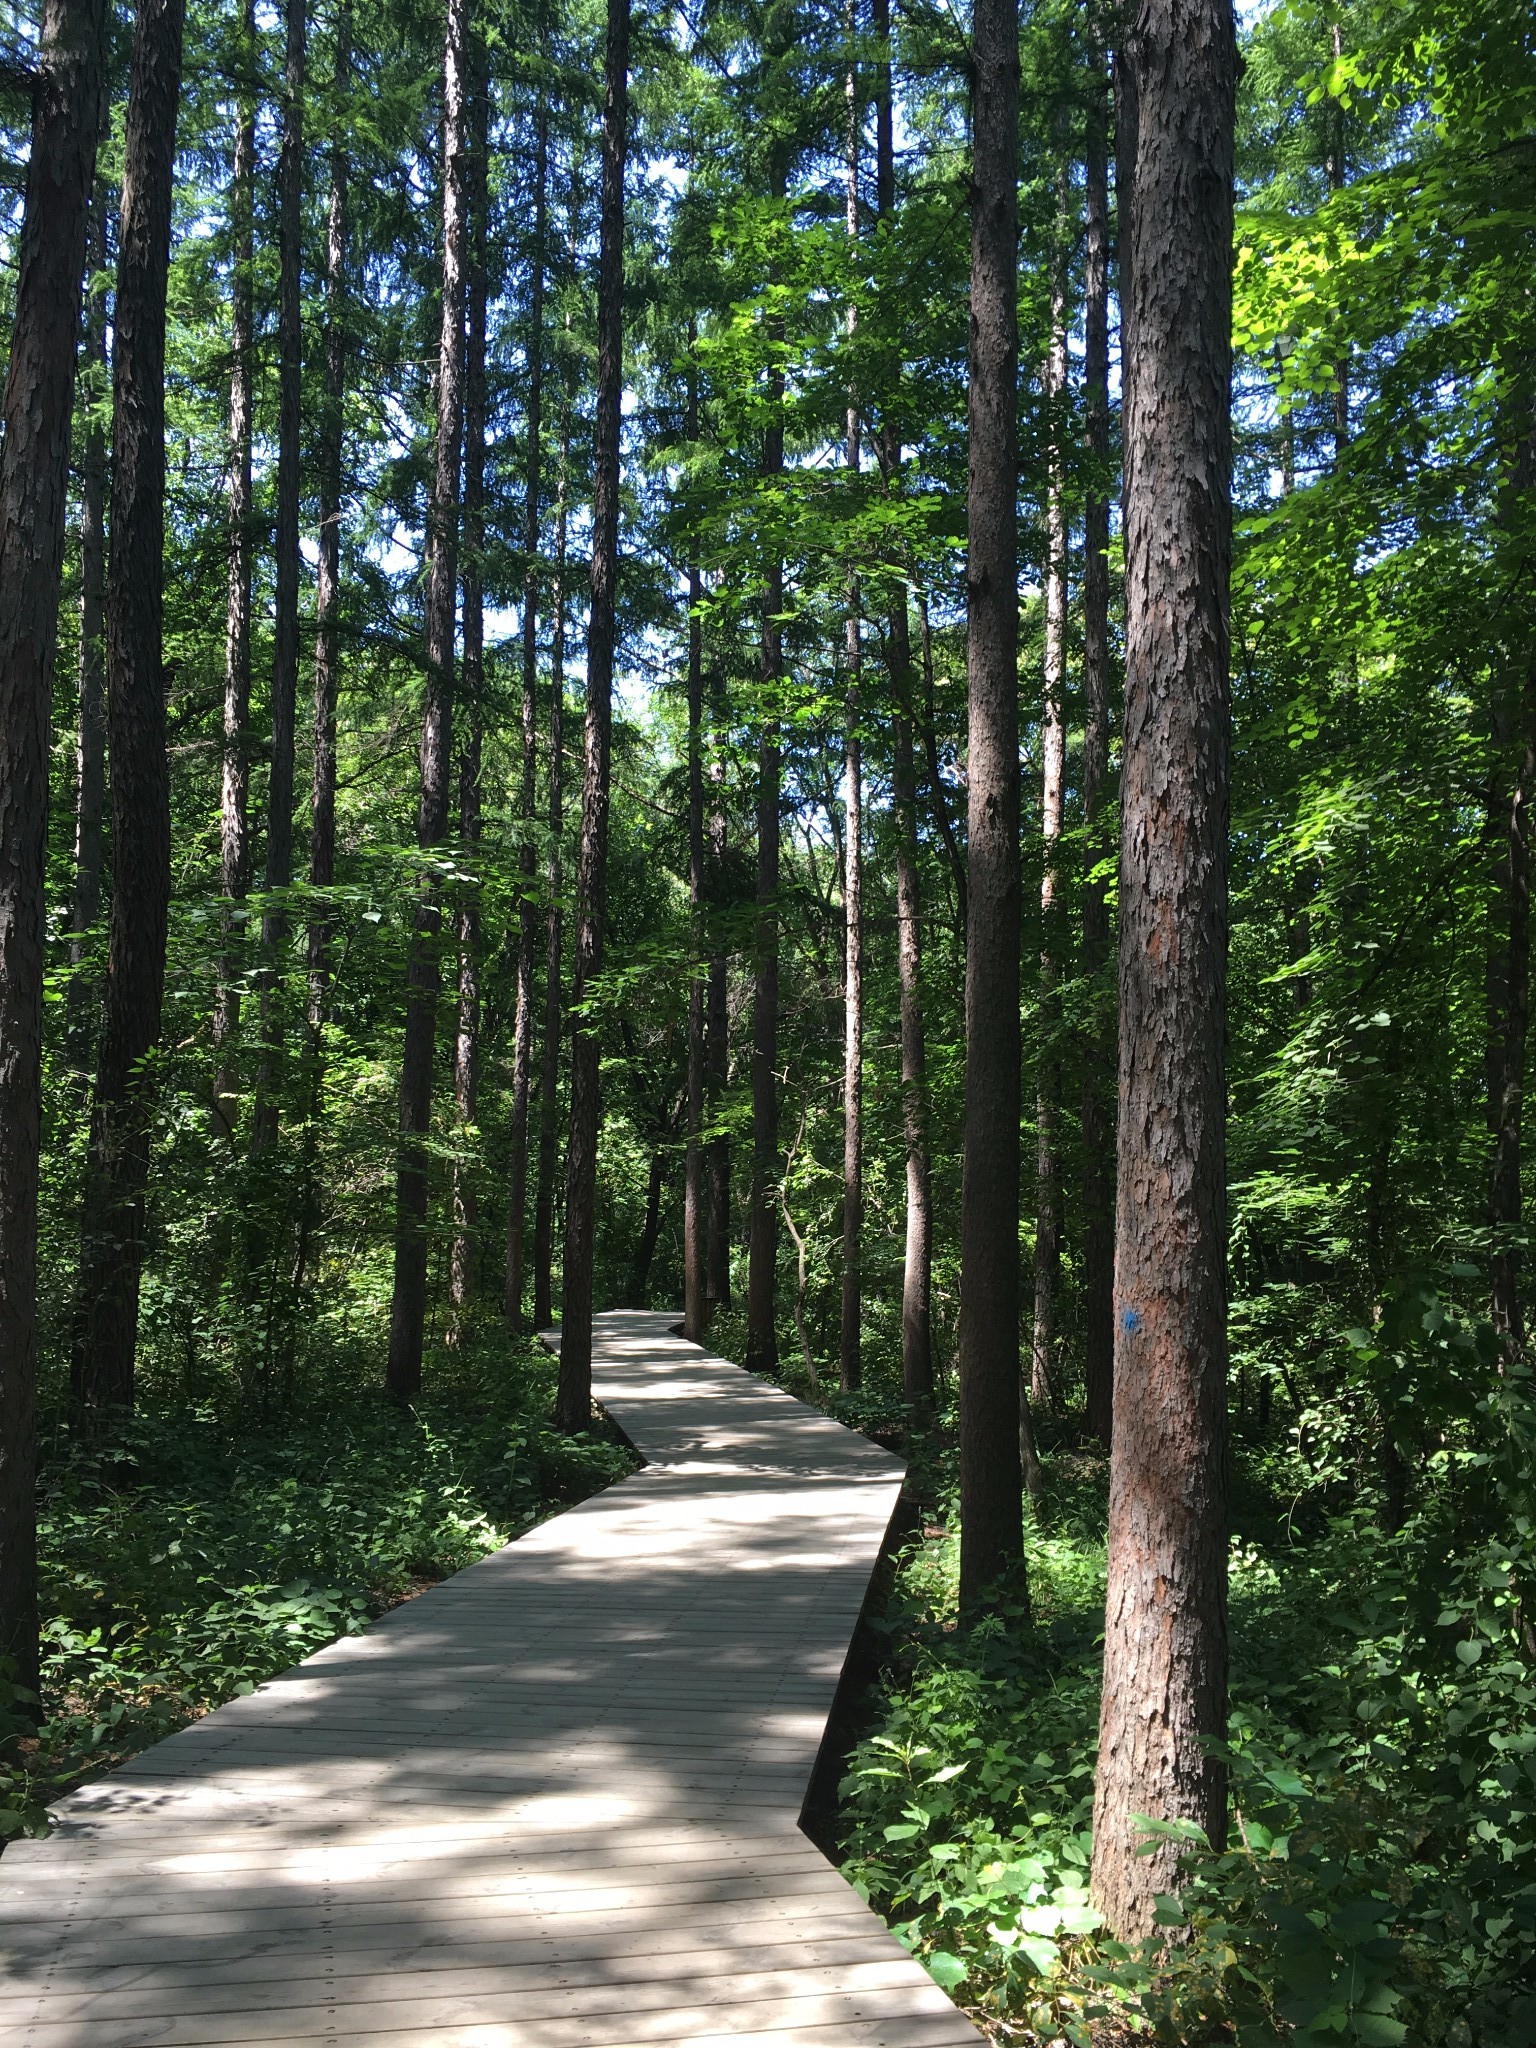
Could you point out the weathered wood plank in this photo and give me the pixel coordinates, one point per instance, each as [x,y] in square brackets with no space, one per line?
[549,1804]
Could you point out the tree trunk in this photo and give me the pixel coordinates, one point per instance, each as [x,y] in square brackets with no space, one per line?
[408,1306]
[762,1348]
[464,1254]
[528,859]
[650,1229]
[549,1074]
[850,1347]
[991,1513]
[1053,749]
[695,1246]
[91,752]
[1099,1044]
[938,795]
[34,510]
[1164,1696]
[573,1405]
[322,830]
[112,1224]
[234,800]
[917,1266]
[285,622]
[1509,963]
[717,1021]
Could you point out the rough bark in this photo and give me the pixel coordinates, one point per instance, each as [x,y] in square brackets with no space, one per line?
[34,499]
[408,1305]
[1099,1046]
[91,746]
[464,1253]
[1164,1692]
[234,795]
[112,1224]
[554,928]
[1053,777]
[991,1510]
[573,1401]
[278,874]
[528,857]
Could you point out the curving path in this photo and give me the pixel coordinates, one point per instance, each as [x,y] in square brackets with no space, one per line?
[552,1803]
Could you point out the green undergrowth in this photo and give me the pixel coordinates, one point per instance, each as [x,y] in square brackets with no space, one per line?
[194,1554]
[1379,1884]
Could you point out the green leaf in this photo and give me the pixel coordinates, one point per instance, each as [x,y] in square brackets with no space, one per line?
[946,1970]
[1469,1652]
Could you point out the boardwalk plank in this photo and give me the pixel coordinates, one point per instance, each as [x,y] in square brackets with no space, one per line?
[551,1803]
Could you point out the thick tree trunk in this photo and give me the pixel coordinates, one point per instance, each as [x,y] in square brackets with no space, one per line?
[528,858]
[573,1403]
[286,564]
[34,502]
[695,1201]
[1099,1045]
[850,1343]
[463,1257]
[234,798]
[91,748]
[112,1225]
[554,932]
[1165,1650]
[409,1303]
[991,1511]
[322,829]
[1053,752]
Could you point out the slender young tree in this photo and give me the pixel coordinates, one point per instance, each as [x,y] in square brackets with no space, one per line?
[717,1275]
[695,1197]
[528,853]
[278,873]
[1099,1044]
[573,1401]
[1165,1647]
[762,1347]
[234,798]
[91,746]
[991,1512]
[554,919]
[464,1253]
[322,831]
[408,1305]
[34,501]
[1053,790]
[1511,789]
[112,1224]
[850,1346]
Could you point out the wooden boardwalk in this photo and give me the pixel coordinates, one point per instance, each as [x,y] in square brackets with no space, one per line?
[552,1803]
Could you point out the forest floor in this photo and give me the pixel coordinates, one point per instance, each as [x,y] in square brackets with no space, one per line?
[1379,1886]
[193,1555]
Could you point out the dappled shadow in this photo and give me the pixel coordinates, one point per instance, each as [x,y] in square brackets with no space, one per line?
[552,1801]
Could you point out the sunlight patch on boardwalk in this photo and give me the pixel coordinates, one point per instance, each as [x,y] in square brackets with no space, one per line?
[553,1803]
